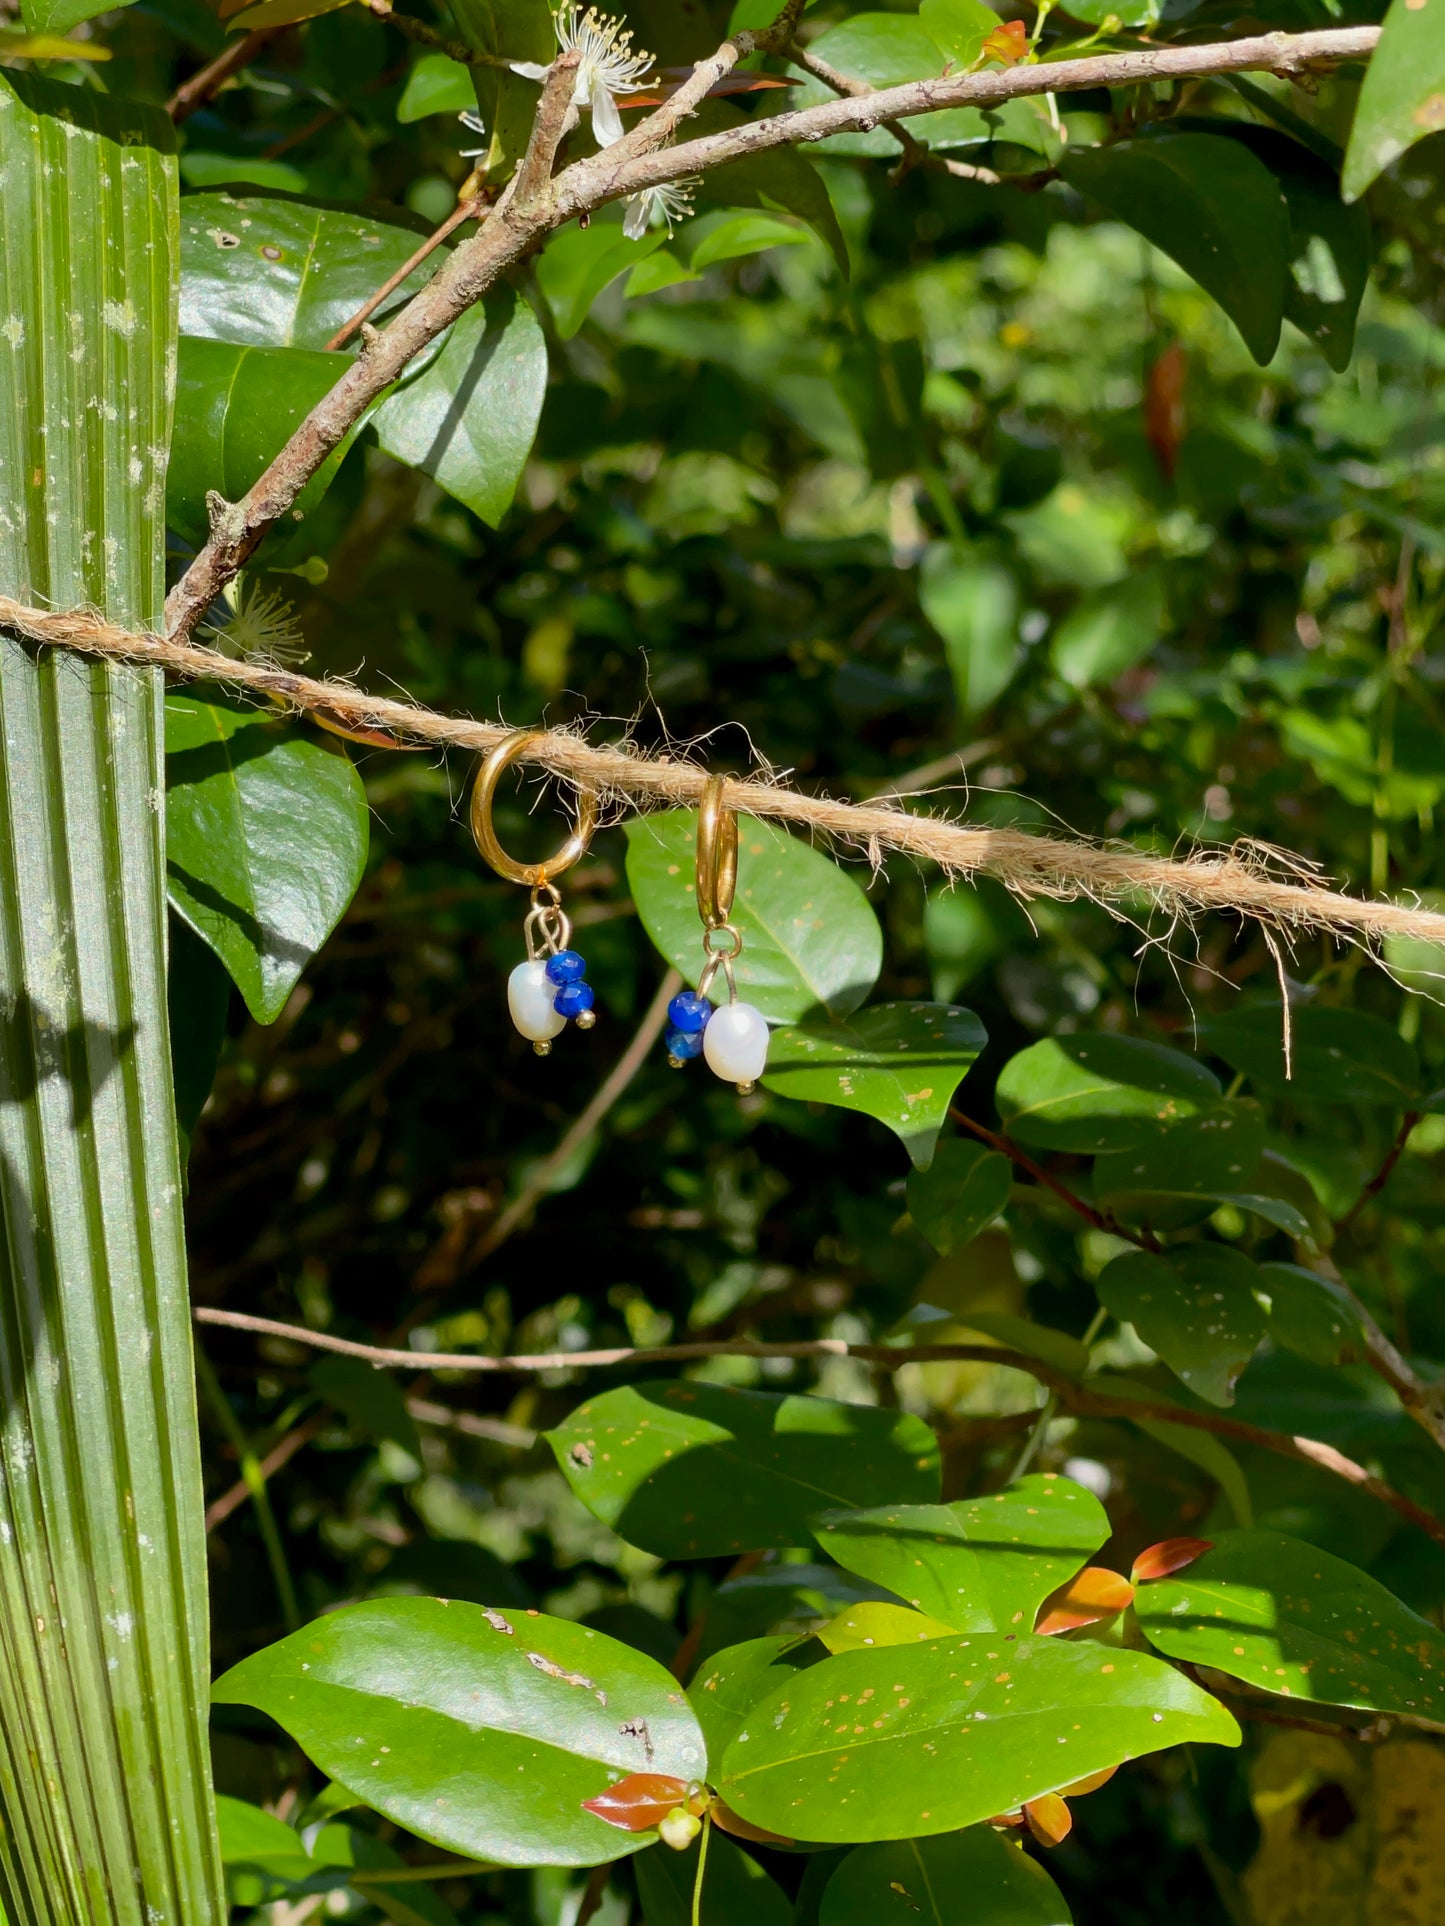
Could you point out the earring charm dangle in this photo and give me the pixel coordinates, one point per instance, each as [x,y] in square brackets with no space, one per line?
[733,1038]
[551,986]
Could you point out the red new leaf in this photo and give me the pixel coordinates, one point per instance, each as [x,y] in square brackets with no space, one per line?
[1049,1819]
[1008,43]
[640,1802]
[1169,1555]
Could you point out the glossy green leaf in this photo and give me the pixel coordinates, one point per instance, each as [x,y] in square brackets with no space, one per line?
[737,235]
[108,1813]
[659,270]
[267,272]
[875,1622]
[59,16]
[736,1890]
[737,1678]
[974,605]
[1403,97]
[1286,1617]
[788,1600]
[267,832]
[811,943]
[1100,1092]
[1109,630]
[898,1062]
[198,999]
[580,262]
[1312,1315]
[235,410]
[1338,1056]
[971,1878]
[1129,13]
[1209,205]
[979,1564]
[17,44]
[962,1191]
[371,1400]
[281,13]
[1197,1309]
[695,1470]
[437,84]
[783,180]
[470,418]
[958,28]
[912,1741]
[264,1858]
[515,30]
[1178,1175]
[480,1730]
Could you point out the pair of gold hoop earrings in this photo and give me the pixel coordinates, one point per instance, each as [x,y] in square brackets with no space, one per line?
[551,988]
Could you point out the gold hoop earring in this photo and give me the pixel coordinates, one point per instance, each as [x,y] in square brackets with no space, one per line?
[551,985]
[734,1038]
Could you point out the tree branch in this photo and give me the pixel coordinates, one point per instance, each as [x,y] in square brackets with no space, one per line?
[463,211]
[411,28]
[553,112]
[202,86]
[641,160]
[1382,1176]
[1103,1220]
[1078,1399]
[914,153]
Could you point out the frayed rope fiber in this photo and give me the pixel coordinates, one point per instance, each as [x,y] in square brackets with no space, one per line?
[1242,881]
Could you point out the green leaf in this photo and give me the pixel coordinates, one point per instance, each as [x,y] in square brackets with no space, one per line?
[971,1878]
[1403,98]
[281,13]
[198,999]
[1288,1618]
[267,834]
[783,179]
[979,1564]
[1312,1315]
[734,1680]
[695,1470]
[1092,1093]
[437,84]
[917,1740]
[811,943]
[1128,13]
[974,606]
[370,1399]
[735,1889]
[1338,1056]
[266,272]
[659,270]
[15,44]
[515,30]
[108,1812]
[470,418]
[59,16]
[235,410]
[1197,1309]
[958,28]
[262,1855]
[343,1849]
[736,235]
[1210,206]
[789,1600]
[1109,630]
[482,1731]
[1178,1175]
[580,262]
[875,1622]
[962,1191]
[898,1062]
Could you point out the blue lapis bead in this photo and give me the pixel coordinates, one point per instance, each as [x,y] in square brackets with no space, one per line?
[565,967]
[573,998]
[689,1012]
[682,1044]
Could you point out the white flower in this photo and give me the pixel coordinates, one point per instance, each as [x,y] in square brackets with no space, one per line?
[473,125]
[659,206]
[608,66]
[260,625]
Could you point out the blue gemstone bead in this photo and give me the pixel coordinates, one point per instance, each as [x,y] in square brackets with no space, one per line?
[565,967]
[684,1043]
[689,1012]
[573,998]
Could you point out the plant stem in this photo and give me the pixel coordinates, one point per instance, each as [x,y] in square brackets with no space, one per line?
[701,1869]
[254,1478]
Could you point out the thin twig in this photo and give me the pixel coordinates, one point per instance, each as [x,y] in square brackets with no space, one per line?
[416,30]
[1072,1397]
[281,1453]
[648,157]
[203,86]
[554,112]
[463,211]
[1382,1176]
[915,153]
[1100,1219]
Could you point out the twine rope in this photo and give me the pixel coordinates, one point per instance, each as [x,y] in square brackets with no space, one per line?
[1243,880]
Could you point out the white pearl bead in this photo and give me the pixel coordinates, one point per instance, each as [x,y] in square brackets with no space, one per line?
[529,998]
[735,1043]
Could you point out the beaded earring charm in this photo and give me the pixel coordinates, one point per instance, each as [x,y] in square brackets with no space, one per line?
[551,986]
[733,1038]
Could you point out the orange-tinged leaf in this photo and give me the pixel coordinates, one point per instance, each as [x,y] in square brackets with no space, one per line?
[639,1802]
[1008,43]
[1089,1784]
[1096,1594]
[1049,1819]
[730,1821]
[1164,421]
[1169,1555]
